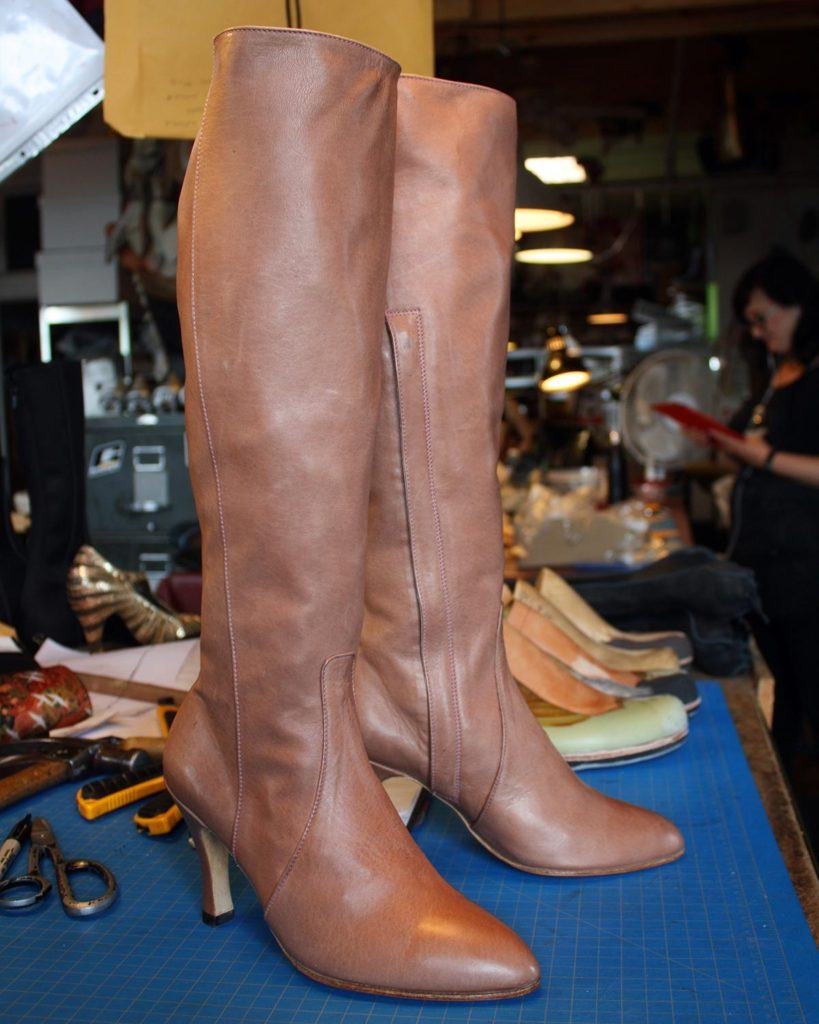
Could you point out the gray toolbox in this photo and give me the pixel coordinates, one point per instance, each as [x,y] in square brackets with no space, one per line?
[137,488]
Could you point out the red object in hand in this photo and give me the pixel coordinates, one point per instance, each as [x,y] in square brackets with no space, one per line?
[33,703]
[694,420]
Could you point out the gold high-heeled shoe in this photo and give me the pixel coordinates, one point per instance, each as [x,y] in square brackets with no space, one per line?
[97,590]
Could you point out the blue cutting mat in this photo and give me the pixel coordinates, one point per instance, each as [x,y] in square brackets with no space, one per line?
[718,936]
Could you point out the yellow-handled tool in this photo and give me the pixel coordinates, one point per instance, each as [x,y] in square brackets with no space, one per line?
[158,816]
[106,795]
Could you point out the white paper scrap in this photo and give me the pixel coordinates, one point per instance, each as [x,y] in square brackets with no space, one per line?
[168,664]
[115,716]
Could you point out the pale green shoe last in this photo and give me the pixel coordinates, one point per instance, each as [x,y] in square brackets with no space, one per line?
[640,729]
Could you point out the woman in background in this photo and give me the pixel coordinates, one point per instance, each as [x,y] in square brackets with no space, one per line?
[776,497]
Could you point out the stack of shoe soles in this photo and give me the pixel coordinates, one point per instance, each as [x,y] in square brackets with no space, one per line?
[603,697]
[345,482]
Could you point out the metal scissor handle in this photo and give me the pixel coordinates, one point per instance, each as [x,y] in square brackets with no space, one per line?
[83,908]
[23,891]
[34,887]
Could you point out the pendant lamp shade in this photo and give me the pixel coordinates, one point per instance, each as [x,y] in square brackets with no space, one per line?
[556,170]
[604,318]
[533,207]
[553,248]
[563,368]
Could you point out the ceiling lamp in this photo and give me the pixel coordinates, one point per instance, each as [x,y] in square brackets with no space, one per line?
[554,255]
[606,319]
[533,207]
[563,368]
[528,219]
[556,170]
[555,248]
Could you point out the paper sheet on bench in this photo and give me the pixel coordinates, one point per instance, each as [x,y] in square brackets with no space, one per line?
[174,665]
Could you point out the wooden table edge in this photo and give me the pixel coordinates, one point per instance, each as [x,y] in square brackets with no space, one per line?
[741,698]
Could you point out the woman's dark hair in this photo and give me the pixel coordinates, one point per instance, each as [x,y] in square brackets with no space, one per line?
[788,282]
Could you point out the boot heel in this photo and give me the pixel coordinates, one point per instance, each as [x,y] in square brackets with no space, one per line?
[217,903]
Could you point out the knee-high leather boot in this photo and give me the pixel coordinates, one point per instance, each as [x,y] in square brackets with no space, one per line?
[433,689]
[284,241]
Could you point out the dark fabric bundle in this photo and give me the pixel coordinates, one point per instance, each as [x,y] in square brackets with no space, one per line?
[692,590]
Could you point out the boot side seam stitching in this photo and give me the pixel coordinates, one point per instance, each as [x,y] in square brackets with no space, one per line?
[319,784]
[415,313]
[499,691]
[439,544]
[413,551]
[218,483]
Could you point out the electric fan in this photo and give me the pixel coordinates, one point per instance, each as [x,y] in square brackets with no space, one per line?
[671,375]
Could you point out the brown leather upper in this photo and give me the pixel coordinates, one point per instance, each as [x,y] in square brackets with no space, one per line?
[434,692]
[284,241]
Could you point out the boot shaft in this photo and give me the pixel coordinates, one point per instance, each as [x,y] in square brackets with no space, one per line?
[435,557]
[284,242]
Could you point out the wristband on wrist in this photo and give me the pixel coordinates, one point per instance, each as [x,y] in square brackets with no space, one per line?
[768,463]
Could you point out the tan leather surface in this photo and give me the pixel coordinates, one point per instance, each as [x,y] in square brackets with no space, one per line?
[657,659]
[284,241]
[531,665]
[555,589]
[445,215]
[434,692]
[554,641]
[560,593]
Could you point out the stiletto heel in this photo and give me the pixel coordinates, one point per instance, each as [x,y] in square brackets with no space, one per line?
[217,902]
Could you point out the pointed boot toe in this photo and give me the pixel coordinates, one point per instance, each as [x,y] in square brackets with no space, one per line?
[543,819]
[461,955]
[662,837]
[501,966]
[638,839]
[479,958]
[403,931]
[465,955]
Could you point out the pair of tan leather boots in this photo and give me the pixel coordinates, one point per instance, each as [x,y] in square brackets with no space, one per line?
[345,482]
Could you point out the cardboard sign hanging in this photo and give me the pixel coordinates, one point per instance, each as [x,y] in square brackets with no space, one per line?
[158,55]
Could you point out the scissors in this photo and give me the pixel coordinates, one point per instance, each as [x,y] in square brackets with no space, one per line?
[33,887]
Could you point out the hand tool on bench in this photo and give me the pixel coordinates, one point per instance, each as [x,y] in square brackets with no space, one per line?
[13,841]
[157,817]
[30,766]
[26,890]
[160,815]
